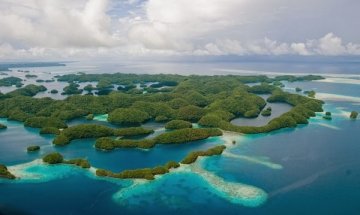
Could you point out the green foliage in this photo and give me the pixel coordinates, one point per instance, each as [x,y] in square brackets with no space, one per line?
[186,135]
[54,91]
[292,78]
[28,90]
[195,98]
[240,104]
[95,131]
[71,89]
[10,81]
[41,121]
[210,120]
[303,109]
[4,172]
[145,173]
[354,115]
[128,116]
[298,89]
[190,113]
[263,88]
[90,117]
[327,116]
[61,140]
[57,158]
[89,88]
[266,112]
[178,103]
[2,126]
[172,165]
[192,157]
[33,148]
[18,115]
[107,144]
[82,131]
[178,124]
[30,76]
[132,131]
[83,163]
[49,130]
[310,93]
[53,158]
[176,136]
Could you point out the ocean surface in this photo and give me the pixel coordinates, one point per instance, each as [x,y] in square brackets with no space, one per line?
[311,169]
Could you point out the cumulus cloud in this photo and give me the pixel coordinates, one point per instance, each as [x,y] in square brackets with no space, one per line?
[329,45]
[73,28]
[58,24]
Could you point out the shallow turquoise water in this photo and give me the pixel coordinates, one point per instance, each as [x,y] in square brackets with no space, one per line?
[312,169]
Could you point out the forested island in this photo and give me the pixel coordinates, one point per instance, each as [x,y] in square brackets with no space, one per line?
[130,100]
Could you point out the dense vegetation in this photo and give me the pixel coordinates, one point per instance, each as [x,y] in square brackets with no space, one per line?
[178,124]
[78,162]
[354,114]
[128,116]
[310,93]
[57,158]
[54,91]
[49,130]
[176,136]
[33,148]
[41,121]
[266,112]
[28,90]
[327,116]
[95,131]
[2,126]
[106,143]
[10,81]
[212,101]
[71,89]
[186,135]
[146,173]
[4,173]
[303,109]
[53,158]
[192,157]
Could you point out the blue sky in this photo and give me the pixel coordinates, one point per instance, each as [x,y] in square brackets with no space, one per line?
[74,29]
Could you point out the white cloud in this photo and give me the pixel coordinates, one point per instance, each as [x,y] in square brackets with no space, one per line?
[81,28]
[57,24]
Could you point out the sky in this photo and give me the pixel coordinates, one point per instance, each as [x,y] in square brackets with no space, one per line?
[76,29]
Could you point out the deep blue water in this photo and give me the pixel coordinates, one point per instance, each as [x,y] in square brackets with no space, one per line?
[312,169]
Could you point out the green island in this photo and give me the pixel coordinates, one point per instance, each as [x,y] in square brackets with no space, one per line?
[30,76]
[178,101]
[354,115]
[95,131]
[2,126]
[54,91]
[4,172]
[57,158]
[33,148]
[327,116]
[266,112]
[178,124]
[173,137]
[49,130]
[193,156]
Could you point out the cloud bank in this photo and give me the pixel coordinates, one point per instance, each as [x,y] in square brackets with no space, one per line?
[92,28]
